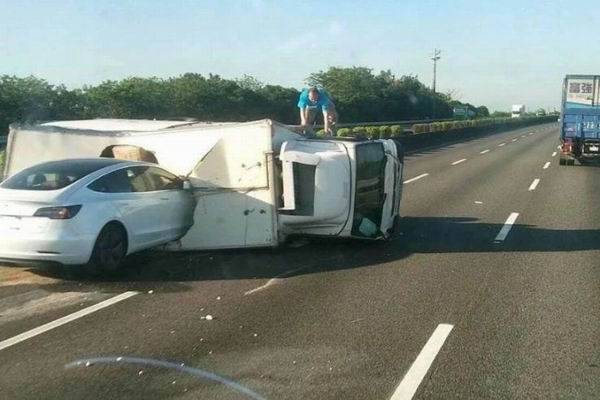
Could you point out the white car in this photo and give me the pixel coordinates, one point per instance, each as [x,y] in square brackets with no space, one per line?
[91,211]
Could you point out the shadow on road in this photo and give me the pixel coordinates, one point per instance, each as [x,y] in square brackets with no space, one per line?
[417,235]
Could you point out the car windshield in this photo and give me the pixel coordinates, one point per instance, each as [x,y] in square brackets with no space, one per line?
[54,175]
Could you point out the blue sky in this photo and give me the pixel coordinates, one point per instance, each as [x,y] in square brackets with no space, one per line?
[493,53]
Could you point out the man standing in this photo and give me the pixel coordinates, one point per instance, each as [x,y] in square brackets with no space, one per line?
[310,102]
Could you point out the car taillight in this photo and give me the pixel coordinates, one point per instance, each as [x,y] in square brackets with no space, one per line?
[58,212]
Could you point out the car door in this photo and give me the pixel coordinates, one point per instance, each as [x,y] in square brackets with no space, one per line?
[177,204]
[136,203]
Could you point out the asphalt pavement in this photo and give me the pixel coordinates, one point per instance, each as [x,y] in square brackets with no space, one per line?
[490,290]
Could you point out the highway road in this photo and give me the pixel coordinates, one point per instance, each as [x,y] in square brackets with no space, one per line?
[491,290]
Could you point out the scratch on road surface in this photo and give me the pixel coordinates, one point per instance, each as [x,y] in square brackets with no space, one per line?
[148,362]
[274,281]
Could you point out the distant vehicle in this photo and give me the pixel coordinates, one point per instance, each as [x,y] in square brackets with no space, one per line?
[255,183]
[517,111]
[91,211]
[580,119]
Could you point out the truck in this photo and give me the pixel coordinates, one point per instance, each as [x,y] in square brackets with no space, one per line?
[580,119]
[517,111]
[255,183]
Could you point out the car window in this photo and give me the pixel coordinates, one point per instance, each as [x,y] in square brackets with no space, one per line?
[53,175]
[164,180]
[140,179]
[115,182]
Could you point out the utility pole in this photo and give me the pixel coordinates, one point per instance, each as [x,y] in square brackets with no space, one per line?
[435,58]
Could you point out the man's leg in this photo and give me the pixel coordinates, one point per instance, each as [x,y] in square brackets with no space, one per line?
[332,116]
[311,117]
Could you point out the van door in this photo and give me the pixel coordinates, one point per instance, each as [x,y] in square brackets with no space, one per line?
[370,195]
[393,186]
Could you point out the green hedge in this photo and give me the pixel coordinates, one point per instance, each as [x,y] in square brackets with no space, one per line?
[448,126]
[347,132]
[396,131]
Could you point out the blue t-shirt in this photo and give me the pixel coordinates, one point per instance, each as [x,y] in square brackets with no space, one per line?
[322,102]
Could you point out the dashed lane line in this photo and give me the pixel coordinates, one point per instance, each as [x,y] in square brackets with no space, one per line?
[416,178]
[510,221]
[64,320]
[419,368]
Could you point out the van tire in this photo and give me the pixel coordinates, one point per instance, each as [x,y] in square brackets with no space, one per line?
[109,251]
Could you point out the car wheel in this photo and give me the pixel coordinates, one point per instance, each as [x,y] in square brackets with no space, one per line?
[562,161]
[109,250]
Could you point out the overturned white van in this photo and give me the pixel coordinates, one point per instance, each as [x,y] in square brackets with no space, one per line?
[255,183]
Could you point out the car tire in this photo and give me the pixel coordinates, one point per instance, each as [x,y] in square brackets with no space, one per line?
[109,251]
[562,161]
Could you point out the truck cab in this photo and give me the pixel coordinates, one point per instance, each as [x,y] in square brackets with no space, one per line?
[344,188]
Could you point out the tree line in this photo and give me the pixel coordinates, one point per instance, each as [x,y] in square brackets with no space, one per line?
[359,95]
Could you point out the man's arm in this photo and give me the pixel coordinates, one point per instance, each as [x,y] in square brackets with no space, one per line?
[326,121]
[303,116]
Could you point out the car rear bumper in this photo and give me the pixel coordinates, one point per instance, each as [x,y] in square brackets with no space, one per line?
[63,250]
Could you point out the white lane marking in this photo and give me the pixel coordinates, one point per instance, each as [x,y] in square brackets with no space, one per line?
[515,139]
[484,151]
[417,371]
[554,154]
[523,136]
[64,320]
[531,133]
[534,184]
[416,178]
[507,227]
[546,165]
[558,147]
[501,144]
[459,161]
[39,301]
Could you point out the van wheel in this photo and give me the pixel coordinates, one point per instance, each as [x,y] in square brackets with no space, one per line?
[109,250]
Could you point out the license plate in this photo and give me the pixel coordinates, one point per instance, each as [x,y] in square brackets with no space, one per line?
[594,148]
